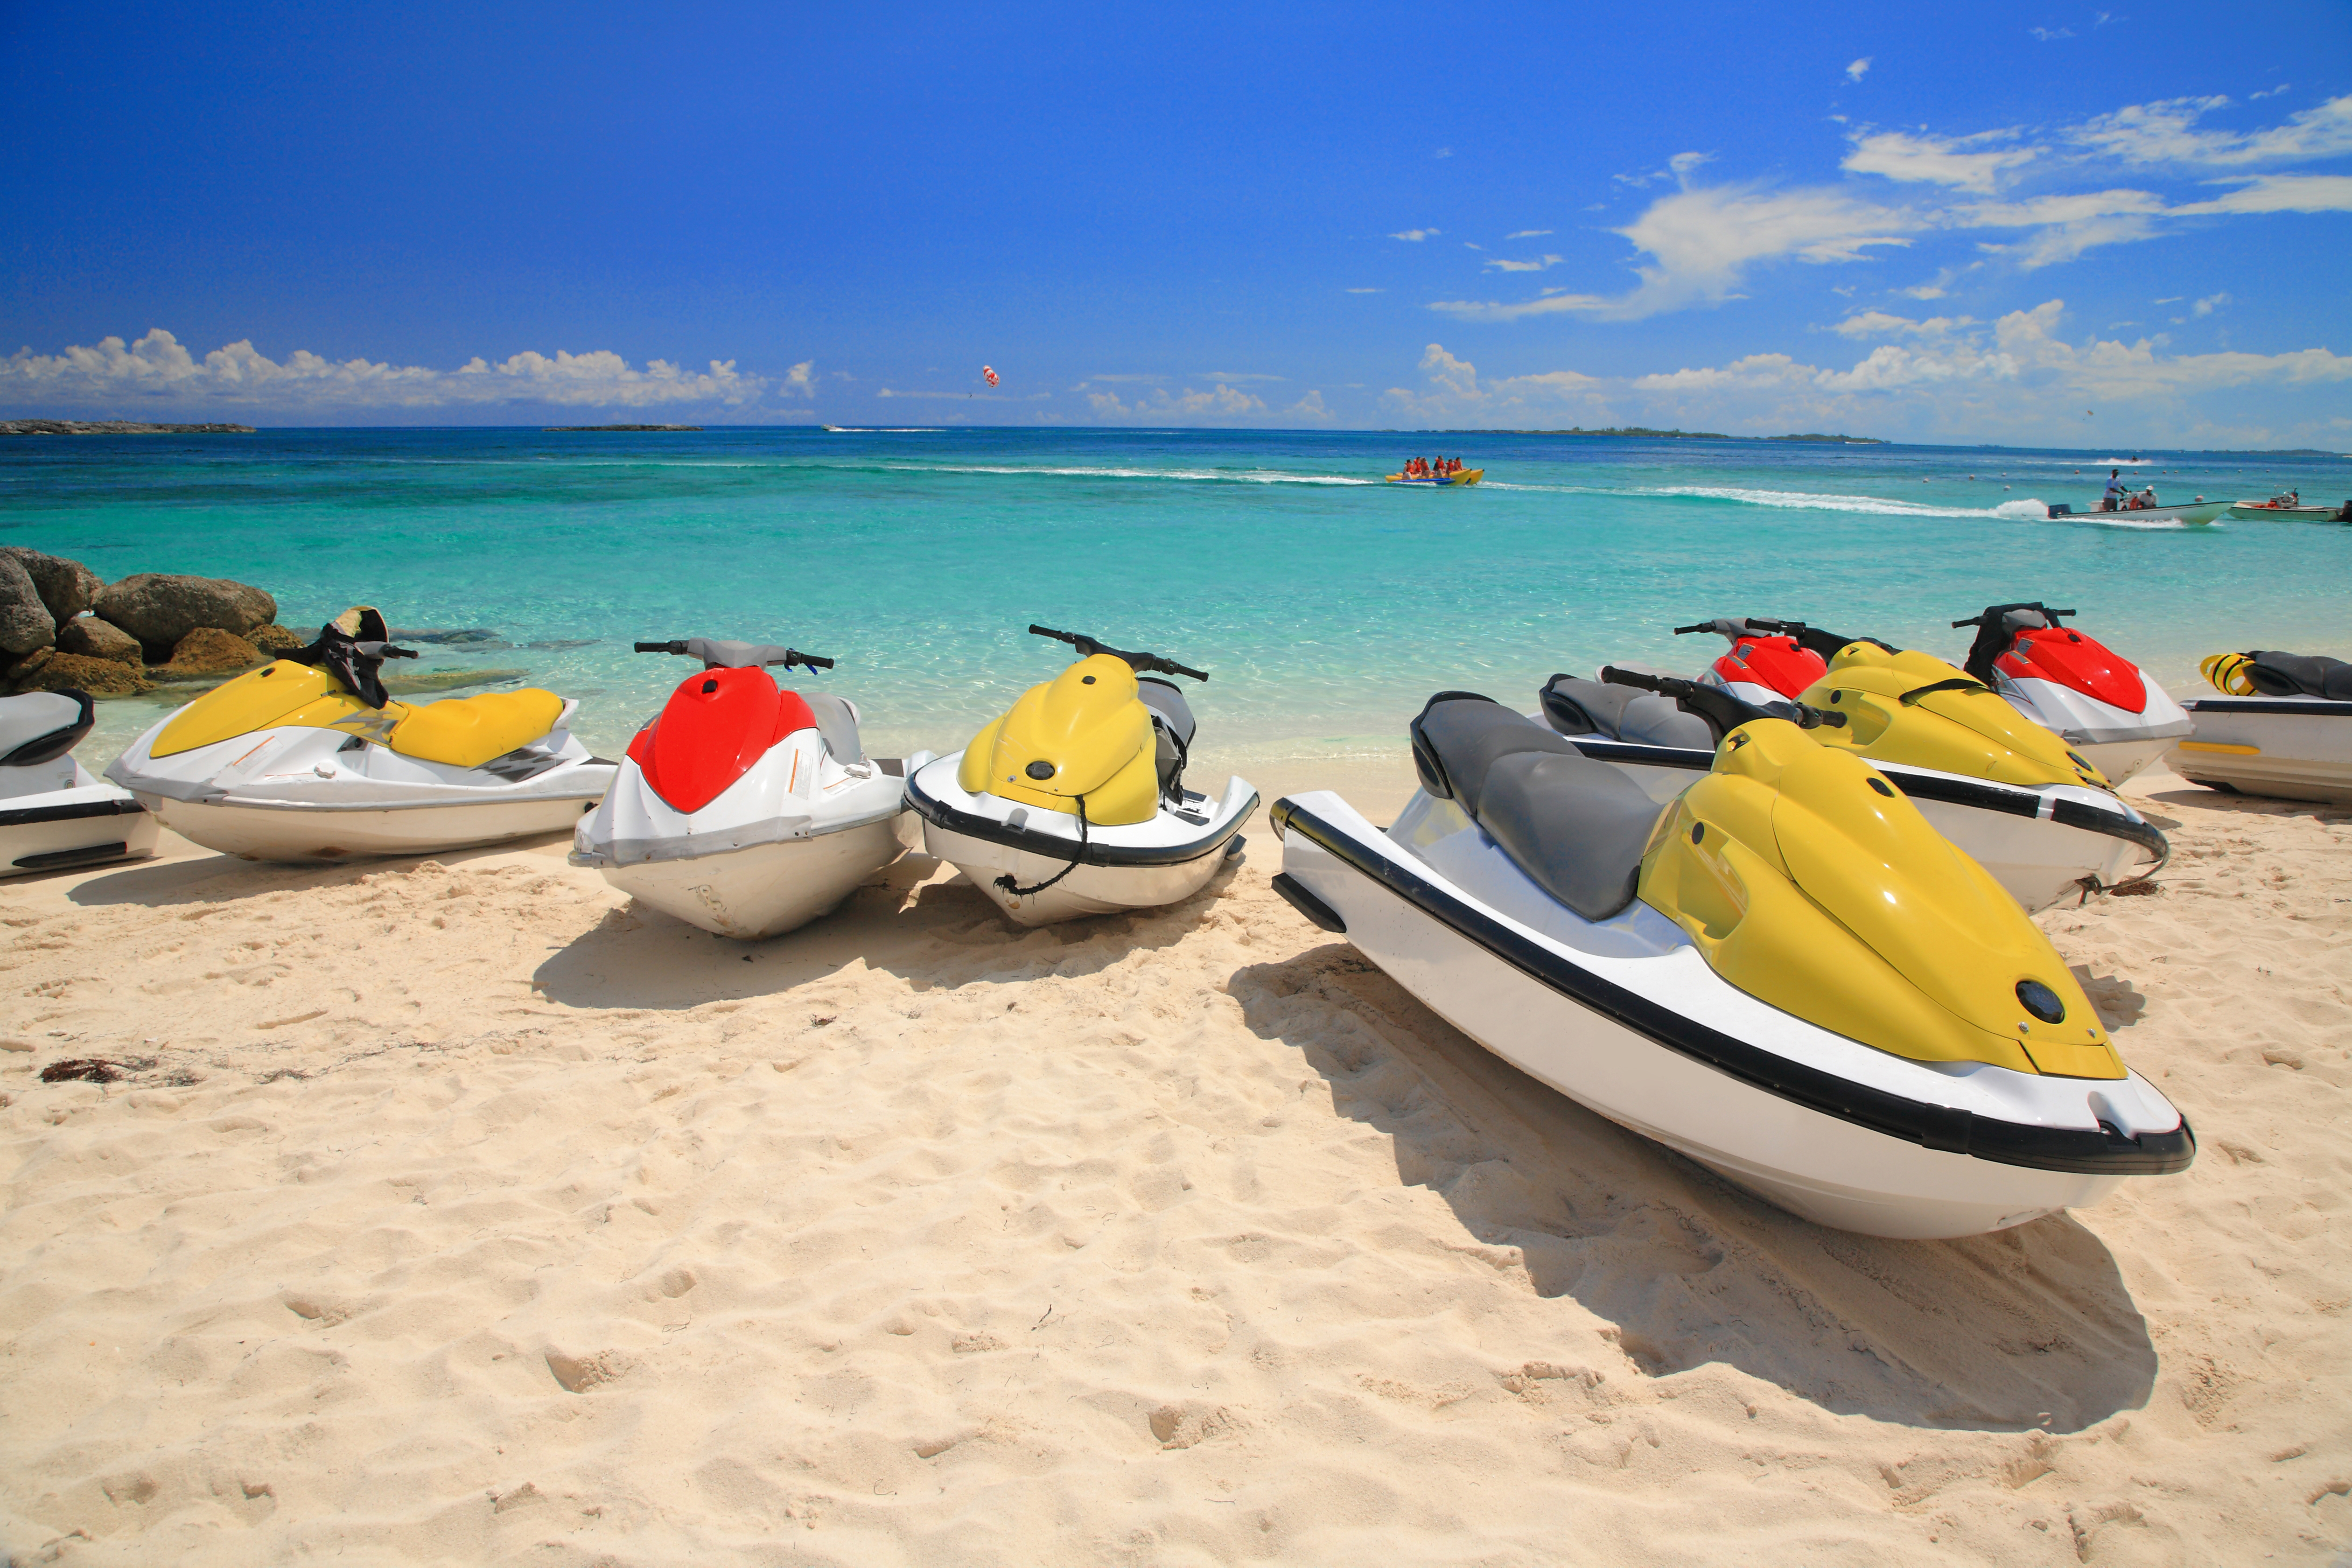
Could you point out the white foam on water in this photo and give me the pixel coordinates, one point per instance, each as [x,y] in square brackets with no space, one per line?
[1196,475]
[1808,500]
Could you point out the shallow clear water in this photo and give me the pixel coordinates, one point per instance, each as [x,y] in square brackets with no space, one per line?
[1326,605]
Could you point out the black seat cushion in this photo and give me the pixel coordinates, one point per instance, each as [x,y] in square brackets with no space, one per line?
[1576,827]
[1579,707]
[2278,674]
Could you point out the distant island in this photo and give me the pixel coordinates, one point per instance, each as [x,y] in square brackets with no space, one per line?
[1644,431]
[114,428]
[621,427]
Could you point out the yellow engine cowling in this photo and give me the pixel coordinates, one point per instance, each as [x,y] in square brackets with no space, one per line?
[1975,733]
[463,732]
[1083,735]
[1811,883]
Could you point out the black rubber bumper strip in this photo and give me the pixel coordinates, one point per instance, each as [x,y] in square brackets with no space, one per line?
[73,813]
[938,814]
[1940,1127]
[1317,911]
[2316,707]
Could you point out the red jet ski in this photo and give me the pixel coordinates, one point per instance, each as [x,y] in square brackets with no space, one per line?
[2099,702]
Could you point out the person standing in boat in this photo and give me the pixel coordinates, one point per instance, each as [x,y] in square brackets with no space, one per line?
[2117,490]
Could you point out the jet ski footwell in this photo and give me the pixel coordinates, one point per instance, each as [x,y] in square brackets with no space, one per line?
[1626,1017]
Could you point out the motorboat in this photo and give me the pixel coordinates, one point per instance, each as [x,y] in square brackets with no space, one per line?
[2139,509]
[2008,792]
[1073,802]
[743,807]
[2105,707]
[1783,972]
[309,759]
[2280,726]
[2288,507]
[1467,477]
[53,815]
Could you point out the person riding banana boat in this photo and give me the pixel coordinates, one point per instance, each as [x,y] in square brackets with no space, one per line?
[311,758]
[1073,802]
[1782,970]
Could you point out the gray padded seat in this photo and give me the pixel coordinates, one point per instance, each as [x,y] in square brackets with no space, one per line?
[836,720]
[1579,707]
[32,715]
[2278,674]
[1171,730]
[1576,827]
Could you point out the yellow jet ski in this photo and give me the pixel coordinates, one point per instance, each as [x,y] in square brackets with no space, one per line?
[2004,789]
[309,759]
[1782,972]
[1073,802]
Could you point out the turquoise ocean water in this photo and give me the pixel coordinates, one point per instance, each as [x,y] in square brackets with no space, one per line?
[1326,605]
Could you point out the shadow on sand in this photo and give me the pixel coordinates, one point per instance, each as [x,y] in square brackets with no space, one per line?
[932,933]
[2031,1327]
[206,879]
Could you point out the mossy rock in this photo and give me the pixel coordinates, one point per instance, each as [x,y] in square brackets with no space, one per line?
[208,653]
[276,640]
[80,672]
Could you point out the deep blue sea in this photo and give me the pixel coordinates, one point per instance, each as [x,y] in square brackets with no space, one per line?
[1326,605]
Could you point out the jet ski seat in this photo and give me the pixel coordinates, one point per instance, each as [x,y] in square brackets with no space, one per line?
[836,720]
[39,727]
[1577,827]
[1577,707]
[467,732]
[2276,674]
[1171,728]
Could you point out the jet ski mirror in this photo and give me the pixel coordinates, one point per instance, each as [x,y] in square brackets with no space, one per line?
[1722,710]
[1141,663]
[716,654]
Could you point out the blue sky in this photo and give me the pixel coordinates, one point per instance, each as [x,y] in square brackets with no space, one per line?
[1935,223]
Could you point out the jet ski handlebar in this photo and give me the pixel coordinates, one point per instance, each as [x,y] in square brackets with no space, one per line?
[382,650]
[2000,611]
[1744,627]
[716,654]
[1141,663]
[1722,710]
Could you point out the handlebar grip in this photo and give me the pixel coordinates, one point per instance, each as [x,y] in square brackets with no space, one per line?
[1613,676]
[1170,667]
[660,647]
[1702,627]
[793,655]
[1038,631]
[2056,613]
[400,653]
[1971,621]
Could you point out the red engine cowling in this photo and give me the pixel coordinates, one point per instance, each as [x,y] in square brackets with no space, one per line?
[1776,662]
[2071,659]
[715,728]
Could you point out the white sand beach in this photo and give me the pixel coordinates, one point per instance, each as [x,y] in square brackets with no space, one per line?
[463,1214]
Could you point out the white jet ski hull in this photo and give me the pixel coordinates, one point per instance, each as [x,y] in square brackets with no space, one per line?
[2291,747]
[82,823]
[1119,869]
[2116,740]
[307,795]
[1627,1019]
[2044,845]
[782,844]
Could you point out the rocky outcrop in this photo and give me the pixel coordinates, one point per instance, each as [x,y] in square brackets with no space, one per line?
[72,671]
[206,654]
[67,587]
[25,623]
[90,637]
[274,638]
[160,609]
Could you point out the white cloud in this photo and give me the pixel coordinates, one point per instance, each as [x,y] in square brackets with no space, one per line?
[1879,323]
[1704,241]
[2209,304]
[1311,407]
[1363,290]
[157,369]
[1856,71]
[1235,375]
[1528,233]
[2274,92]
[1223,402]
[1505,264]
[800,381]
[1455,393]
[1975,163]
[2165,133]
[2282,193]
[2051,35]
[1417,235]
[1443,152]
